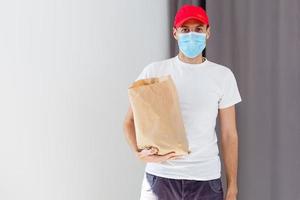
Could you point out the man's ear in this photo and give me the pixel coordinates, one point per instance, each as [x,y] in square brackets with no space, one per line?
[174,34]
[208,32]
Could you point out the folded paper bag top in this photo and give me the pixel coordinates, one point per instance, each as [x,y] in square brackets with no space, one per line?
[157,116]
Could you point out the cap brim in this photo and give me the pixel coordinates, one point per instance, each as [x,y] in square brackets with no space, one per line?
[192,17]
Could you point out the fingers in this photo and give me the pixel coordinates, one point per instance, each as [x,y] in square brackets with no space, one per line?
[166,156]
[148,152]
[169,154]
[150,155]
[176,157]
[153,150]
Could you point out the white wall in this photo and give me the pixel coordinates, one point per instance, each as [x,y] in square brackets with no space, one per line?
[65,67]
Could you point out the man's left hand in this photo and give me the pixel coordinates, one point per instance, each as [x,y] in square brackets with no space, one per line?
[231,194]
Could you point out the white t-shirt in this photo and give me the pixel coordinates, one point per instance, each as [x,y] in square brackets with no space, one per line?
[202,89]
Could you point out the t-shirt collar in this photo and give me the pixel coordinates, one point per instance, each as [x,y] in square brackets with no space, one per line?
[178,61]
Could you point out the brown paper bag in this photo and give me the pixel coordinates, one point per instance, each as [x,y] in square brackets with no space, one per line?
[157,116]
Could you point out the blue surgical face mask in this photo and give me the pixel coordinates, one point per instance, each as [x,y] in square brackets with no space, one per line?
[192,44]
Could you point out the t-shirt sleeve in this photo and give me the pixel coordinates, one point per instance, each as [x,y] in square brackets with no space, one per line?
[144,74]
[230,93]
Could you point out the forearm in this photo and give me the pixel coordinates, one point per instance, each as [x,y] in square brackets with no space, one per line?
[229,144]
[130,136]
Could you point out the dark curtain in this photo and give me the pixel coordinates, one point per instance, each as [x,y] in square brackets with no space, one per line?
[260,42]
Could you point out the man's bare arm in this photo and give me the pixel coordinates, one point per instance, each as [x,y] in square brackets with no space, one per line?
[129,130]
[229,143]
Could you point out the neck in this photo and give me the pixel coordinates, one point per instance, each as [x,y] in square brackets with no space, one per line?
[196,60]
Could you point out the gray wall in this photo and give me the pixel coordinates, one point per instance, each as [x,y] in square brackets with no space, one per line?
[64,70]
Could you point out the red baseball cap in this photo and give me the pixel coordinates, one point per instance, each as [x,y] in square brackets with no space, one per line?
[190,12]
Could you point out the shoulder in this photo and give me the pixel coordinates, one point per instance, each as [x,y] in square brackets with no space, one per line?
[220,70]
[158,64]
[218,67]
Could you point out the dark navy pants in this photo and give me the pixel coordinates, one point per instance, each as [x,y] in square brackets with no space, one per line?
[161,188]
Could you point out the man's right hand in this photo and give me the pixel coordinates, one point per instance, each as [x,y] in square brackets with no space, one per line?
[149,155]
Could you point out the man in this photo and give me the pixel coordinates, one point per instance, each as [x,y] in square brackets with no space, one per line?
[205,89]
